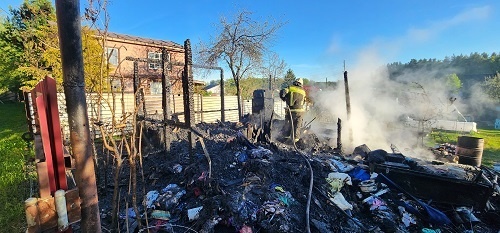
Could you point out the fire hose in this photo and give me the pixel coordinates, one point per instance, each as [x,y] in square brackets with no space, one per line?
[308,207]
[308,228]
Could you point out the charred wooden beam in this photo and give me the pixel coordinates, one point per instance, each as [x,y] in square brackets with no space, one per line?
[188,96]
[339,134]
[348,106]
[166,87]
[136,82]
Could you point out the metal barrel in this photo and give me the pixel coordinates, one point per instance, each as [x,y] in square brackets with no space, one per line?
[470,150]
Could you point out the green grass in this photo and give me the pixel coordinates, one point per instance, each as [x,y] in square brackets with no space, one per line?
[491,149]
[14,184]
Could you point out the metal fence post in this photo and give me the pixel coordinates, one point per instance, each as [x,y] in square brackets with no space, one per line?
[222,105]
[70,40]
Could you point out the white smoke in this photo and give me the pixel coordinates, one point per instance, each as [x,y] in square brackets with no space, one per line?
[384,111]
[399,112]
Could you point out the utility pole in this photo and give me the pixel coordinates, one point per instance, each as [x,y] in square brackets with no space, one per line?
[70,43]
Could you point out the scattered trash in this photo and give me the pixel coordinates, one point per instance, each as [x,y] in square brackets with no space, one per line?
[336,165]
[177,168]
[406,217]
[276,187]
[170,196]
[245,229]
[203,176]
[467,215]
[273,207]
[172,188]
[151,197]
[197,191]
[263,188]
[241,156]
[336,181]
[286,198]
[130,213]
[260,153]
[368,186]
[428,230]
[359,174]
[194,213]
[160,214]
[425,211]
[374,202]
[340,201]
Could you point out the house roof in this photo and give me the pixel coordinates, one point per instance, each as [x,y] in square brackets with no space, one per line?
[211,86]
[142,40]
[198,82]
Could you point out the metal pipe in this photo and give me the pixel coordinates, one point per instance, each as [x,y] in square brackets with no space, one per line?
[70,41]
[222,105]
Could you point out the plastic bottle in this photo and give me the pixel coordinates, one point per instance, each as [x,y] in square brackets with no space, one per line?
[62,212]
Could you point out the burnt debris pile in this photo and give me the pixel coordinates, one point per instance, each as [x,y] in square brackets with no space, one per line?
[244,183]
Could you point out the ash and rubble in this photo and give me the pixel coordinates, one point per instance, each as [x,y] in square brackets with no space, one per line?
[260,186]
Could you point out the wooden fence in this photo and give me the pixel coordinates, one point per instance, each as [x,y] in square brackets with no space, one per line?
[207,108]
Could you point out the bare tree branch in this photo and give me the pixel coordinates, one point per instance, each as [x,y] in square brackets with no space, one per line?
[240,44]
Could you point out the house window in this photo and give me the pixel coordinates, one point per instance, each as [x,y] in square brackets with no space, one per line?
[112,56]
[155,88]
[156,57]
[116,84]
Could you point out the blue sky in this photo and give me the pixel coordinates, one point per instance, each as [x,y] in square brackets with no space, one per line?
[319,35]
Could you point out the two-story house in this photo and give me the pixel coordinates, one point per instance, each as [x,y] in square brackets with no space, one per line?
[118,47]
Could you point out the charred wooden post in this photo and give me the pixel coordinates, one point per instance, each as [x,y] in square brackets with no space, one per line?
[187,87]
[339,134]
[136,82]
[165,103]
[142,100]
[68,22]
[348,106]
[222,106]
[270,83]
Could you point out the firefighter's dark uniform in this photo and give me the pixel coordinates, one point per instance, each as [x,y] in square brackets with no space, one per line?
[295,98]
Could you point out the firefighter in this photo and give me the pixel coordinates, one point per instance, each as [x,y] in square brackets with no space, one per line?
[295,98]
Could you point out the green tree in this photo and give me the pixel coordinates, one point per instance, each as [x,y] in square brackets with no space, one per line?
[30,37]
[289,78]
[7,62]
[492,87]
[248,85]
[453,83]
[93,59]
[29,46]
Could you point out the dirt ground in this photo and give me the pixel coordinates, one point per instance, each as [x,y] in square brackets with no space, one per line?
[264,187]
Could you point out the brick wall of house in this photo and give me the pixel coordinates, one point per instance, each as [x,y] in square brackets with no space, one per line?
[149,77]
